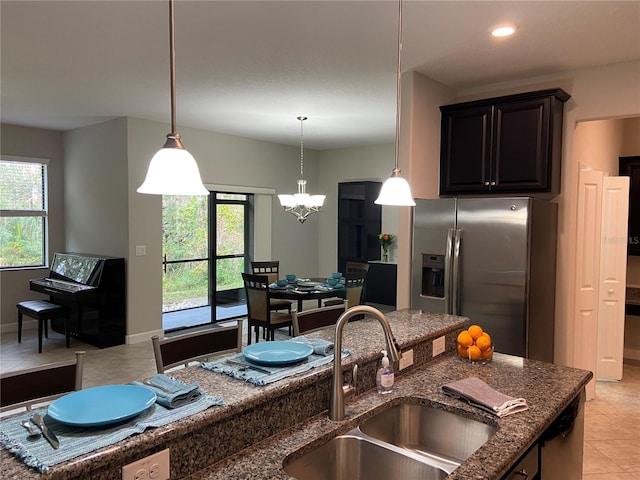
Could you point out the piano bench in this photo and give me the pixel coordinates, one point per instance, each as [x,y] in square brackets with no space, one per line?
[42,311]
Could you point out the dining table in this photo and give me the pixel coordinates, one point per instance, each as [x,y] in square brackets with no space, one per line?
[307,289]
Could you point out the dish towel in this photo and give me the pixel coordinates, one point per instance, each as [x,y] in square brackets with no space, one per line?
[171,393]
[320,347]
[76,441]
[477,393]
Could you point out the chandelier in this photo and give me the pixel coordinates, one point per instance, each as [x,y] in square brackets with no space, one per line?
[301,204]
[395,190]
[173,170]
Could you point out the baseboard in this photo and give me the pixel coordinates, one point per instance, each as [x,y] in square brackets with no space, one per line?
[143,337]
[27,324]
[631,354]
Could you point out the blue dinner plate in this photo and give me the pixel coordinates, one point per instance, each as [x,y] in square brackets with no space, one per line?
[277,353]
[101,405]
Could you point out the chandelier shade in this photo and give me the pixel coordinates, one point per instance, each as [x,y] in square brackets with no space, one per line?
[301,204]
[395,190]
[173,170]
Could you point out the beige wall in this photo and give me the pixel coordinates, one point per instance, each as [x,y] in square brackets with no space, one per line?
[30,142]
[598,144]
[96,198]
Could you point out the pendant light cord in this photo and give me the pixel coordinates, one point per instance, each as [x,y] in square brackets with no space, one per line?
[398,84]
[172,62]
[302,119]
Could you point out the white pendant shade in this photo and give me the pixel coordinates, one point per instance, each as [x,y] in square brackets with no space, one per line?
[173,171]
[395,192]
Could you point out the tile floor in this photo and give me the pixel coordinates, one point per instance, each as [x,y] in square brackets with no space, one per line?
[612,434]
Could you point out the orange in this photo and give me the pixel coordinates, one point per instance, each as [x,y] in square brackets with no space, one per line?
[475,353]
[483,341]
[462,351]
[475,331]
[487,354]
[465,339]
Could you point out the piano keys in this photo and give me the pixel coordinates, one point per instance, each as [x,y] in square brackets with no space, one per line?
[92,288]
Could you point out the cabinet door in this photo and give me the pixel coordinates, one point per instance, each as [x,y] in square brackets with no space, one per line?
[359,222]
[521,150]
[465,150]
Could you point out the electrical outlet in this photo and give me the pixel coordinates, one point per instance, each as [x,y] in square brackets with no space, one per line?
[153,467]
[438,346]
[141,250]
[406,360]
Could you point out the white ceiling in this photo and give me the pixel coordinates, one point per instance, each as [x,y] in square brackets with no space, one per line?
[249,68]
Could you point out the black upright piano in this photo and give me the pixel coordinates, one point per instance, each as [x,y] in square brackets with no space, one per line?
[92,288]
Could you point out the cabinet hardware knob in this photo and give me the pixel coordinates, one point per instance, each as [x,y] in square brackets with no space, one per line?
[493,183]
[486,184]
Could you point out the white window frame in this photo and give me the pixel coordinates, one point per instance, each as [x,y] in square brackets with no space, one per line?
[44,213]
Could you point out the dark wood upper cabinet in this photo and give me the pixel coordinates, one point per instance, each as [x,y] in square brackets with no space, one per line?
[630,166]
[509,144]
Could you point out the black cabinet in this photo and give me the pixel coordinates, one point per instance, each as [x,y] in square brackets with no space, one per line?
[359,222]
[509,144]
[381,286]
[630,166]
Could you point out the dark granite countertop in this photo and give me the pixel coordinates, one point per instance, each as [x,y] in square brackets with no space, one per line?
[512,375]
[257,427]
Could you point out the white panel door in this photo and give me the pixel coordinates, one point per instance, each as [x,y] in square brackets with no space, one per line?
[588,227]
[613,276]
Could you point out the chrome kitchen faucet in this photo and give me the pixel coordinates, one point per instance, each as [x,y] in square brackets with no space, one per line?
[338,390]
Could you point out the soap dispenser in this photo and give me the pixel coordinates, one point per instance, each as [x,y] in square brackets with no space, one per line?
[385,377]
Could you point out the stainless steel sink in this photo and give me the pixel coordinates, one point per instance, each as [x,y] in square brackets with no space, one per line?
[351,457]
[445,438]
[404,441]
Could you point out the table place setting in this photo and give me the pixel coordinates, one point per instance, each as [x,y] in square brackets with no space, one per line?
[267,362]
[97,417]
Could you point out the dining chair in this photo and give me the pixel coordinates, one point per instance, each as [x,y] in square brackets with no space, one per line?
[317,318]
[41,384]
[180,350]
[259,314]
[354,284]
[356,267]
[272,270]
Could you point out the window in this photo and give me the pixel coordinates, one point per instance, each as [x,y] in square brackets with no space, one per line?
[23,212]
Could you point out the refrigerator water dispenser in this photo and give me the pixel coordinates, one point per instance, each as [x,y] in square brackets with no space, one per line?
[433,275]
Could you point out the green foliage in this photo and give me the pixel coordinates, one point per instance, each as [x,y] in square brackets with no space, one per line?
[185,236]
[21,241]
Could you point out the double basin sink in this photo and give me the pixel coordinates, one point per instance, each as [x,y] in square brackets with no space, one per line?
[404,441]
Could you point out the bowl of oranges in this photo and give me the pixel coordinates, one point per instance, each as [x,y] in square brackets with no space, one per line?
[475,345]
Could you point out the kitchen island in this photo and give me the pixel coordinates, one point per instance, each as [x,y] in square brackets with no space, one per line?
[257,428]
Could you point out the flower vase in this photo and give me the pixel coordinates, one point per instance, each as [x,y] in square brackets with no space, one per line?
[385,254]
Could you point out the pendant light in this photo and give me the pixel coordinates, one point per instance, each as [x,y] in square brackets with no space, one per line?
[395,190]
[301,204]
[173,170]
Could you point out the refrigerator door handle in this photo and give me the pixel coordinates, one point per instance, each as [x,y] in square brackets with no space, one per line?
[447,271]
[455,281]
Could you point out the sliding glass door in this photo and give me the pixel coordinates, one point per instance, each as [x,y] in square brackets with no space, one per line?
[230,252]
[206,245]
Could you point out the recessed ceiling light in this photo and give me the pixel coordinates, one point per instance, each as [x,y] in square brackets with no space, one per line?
[504,30]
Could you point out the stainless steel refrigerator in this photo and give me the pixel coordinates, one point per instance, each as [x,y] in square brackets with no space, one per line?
[492,260]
